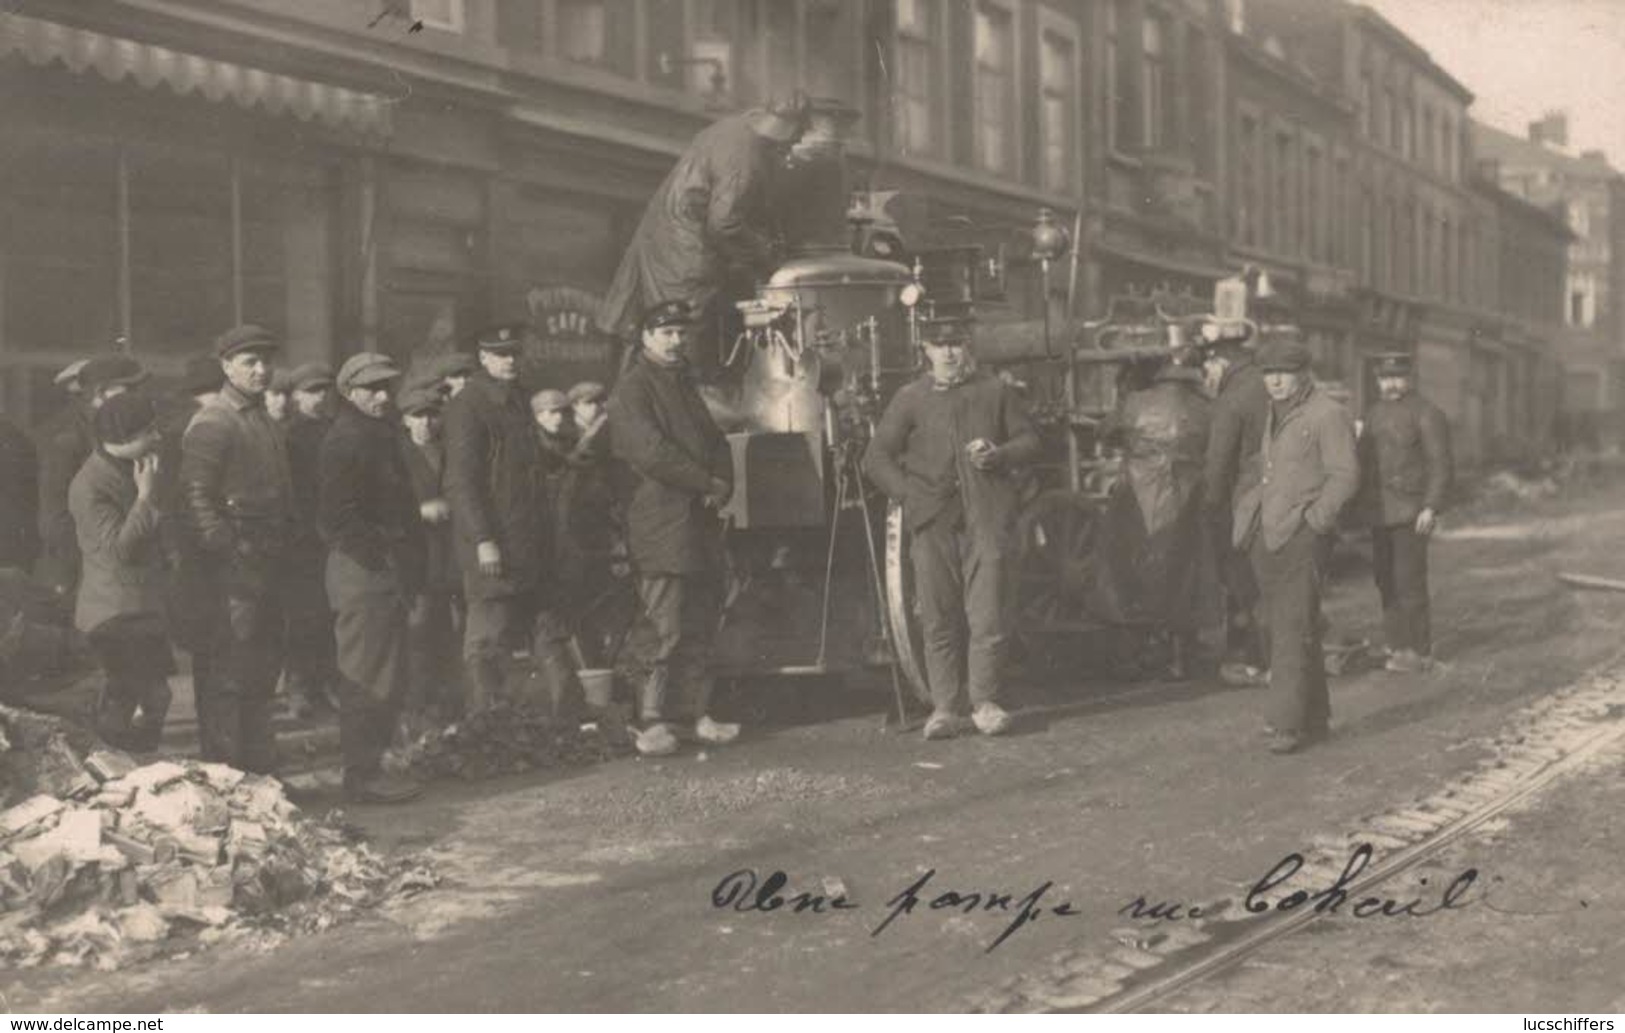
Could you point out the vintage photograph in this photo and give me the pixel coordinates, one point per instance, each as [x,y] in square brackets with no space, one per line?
[812,506]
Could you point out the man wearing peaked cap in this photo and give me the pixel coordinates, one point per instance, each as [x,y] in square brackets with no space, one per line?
[1231,473]
[238,496]
[1309,473]
[1405,473]
[312,384]
[369,522]
[503,528]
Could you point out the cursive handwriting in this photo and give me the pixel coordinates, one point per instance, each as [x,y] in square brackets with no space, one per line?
[1027,908]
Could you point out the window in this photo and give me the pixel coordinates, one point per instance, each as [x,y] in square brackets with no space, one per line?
[1368,234]
[1405,145]
[1425,268]
[1582,300]
[445,15]
[1427,156]
[997,127]
[1282,201]
[1391,105]
[1447,148]
[1447,260]
[1155,96]
[1368,103]
[1392,247]
[916,88]
[1247,180]
[582,32]
[1114,85]
[833,51]
[601,33]
[1058,76]
[1314,205]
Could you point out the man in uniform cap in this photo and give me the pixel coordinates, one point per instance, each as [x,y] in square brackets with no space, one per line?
[503,532]
[311,678]
[369,522]
[1231,484]
[239,500]
[278,396]
[1309,472]
[682,473]
[120,599]
[948,448]
[1405,471]
[709,223]
[437,611]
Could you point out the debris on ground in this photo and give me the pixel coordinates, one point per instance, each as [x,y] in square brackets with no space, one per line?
[104,861]
[509,739]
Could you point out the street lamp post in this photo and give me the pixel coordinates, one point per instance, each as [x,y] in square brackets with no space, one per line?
[1051,241]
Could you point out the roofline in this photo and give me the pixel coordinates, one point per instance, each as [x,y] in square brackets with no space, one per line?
[1397,35]
[1502,195]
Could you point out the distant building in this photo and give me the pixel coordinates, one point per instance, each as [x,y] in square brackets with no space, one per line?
[1590,195]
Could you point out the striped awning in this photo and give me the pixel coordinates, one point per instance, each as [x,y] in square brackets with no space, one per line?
[115,59]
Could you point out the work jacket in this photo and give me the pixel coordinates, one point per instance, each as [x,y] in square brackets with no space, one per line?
[122,570]
[659,426]
[1231,471]
[65,440]
[495,483]
[1404,461]
[235,476]
[367,513]
[1310,471]
[918,457]
[426,466]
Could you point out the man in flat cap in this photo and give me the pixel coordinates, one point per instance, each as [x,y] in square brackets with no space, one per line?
[239,498]
[1231,484]
[310,680]
[437,612]
[681,470]
[369,521]
[279,396]
[191,604]
[120,601]
[949,448]
[449,373]
[709,225]
[1309,473]
[591,528]
[495,481]
[1405,471]
[551,410]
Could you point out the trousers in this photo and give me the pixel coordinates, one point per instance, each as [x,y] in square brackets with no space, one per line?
[963,584]
[491,627]
[373,656]
[1291,579]
[135,658]
[435,623]
[1400,557]
[240,663]
[684,610]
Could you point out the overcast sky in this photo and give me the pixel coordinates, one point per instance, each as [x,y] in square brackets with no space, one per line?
[1523,57]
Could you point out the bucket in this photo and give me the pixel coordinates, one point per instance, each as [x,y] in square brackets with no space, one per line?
[597,685]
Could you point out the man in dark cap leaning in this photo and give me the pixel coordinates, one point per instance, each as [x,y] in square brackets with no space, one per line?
[495,481]
[369,522]
[1405,469]
[1309,472]
[239,498]
[682,473]
[949,447]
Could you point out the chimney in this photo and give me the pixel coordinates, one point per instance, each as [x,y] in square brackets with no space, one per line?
[1551,131]
[1599,157]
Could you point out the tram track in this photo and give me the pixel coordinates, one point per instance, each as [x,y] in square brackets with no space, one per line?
[1146,966]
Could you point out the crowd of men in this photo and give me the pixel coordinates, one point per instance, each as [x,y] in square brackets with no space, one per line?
[339,533]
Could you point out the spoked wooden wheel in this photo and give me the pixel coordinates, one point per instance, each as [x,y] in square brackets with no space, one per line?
[902,606]
[1055,564]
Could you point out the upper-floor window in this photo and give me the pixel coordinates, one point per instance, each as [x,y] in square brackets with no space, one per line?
[1247,179]
[1058,103]
[1367,102]
[445,15]
[583,31]
[1579,218]
[1447,147]
[1582,307]
[1406,144]
[1155,97]
[1427,155]
[916,91]
[1282,200]
[1391,105]
[997,126]
[1314,204]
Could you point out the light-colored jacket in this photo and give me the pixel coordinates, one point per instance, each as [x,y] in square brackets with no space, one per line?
[1310,471]
[122,568]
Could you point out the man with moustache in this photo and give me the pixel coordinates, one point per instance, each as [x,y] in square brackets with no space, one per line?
[1309,473]
[369,522]
[1404,476]
[239,500]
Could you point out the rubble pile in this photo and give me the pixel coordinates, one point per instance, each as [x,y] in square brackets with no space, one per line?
[107,862]
[509,739]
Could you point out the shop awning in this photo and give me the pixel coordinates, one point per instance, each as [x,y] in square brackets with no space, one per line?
[43,42]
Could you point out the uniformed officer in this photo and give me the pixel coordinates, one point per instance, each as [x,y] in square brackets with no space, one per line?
[1405,471]
[1309,473]
[949,448]
[682,471]
[495,481]
[239,498]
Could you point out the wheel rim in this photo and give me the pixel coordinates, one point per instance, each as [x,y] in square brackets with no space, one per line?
[1056,563]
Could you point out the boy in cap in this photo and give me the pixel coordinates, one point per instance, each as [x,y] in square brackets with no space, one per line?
[120,599]
[1405,469]
[503,529]
[1309,473]
[682,473]
[311,677]
[948,447]
[277,396]
[239,500]
[591,528]
[552,412]
[437,611]
[369,522]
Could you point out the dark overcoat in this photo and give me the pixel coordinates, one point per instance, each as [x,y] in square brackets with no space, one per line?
[1405,463]
[367,511]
